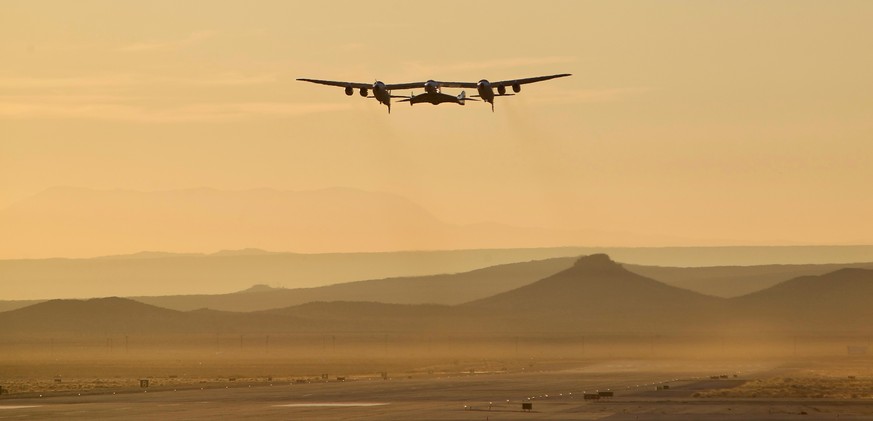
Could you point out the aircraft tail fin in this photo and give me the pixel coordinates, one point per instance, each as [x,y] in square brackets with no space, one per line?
[462,97]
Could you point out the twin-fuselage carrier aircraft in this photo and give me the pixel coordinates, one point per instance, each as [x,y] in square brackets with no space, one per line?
[433,90]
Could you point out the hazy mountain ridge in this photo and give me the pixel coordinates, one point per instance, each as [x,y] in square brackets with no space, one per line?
[447,289]
[734,281]
[318,221]
[831,302]
[192,274]
[104,315]
[163,274]
[594,295]
[115,315]
[601,294]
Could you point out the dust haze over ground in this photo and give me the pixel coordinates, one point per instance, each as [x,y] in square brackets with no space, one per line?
[342,375]
[484,359]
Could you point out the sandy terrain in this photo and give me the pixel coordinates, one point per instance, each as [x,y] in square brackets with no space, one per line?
[555,390]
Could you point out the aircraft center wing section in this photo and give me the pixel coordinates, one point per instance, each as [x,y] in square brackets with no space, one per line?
[355,85]
[410,85]
[469,85]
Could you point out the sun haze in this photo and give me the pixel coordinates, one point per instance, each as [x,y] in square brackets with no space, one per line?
[684,123]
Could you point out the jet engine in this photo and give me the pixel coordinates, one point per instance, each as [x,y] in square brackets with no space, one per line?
[431,87]
[516,88]
[364,92]
[501,90]
[350,91]
[484,88]
[379,89]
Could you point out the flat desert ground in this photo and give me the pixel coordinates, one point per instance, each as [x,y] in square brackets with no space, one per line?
[643,389]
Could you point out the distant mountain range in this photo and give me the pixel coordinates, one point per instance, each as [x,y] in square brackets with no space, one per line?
[164,274]
[601,295]
[733,281]
[78,222]
[595,294]
[447,289]
[152,271]
[161,274]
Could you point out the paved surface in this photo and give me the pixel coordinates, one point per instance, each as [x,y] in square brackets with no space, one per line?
[554,395]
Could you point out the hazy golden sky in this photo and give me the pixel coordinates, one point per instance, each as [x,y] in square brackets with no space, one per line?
[737,121]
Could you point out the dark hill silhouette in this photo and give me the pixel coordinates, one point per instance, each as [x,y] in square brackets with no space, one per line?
[448,289]
[598,293]
[98,315]
[594,295]
[735,281]
[838,301]
[115,315]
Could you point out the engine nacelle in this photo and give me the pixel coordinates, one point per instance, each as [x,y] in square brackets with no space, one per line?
[516,88]
[379,90]
[484,88]
[501,90]
[364,92]
[431,87]
[350,91]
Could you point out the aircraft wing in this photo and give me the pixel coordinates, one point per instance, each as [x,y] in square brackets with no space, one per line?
[473,85]
[413,85]
[357,85]
[410,85]
[527,80]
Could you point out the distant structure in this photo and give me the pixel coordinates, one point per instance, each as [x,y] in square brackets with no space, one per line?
[856,350]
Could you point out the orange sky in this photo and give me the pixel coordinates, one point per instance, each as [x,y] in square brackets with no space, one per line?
[733,121]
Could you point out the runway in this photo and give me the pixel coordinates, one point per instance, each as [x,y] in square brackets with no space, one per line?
[553,395]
